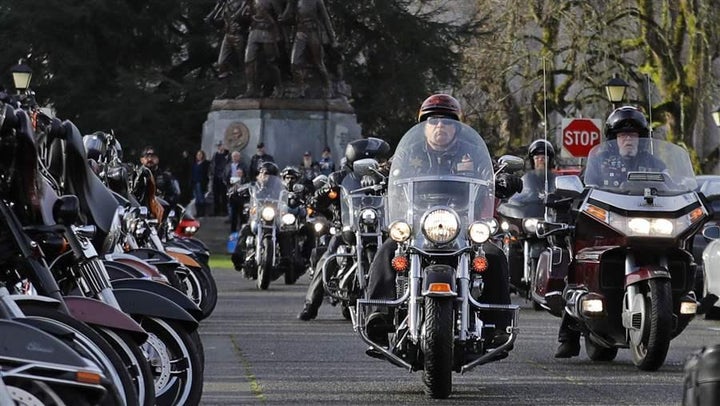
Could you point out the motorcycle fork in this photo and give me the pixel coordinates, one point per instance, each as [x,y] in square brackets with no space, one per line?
[633,301]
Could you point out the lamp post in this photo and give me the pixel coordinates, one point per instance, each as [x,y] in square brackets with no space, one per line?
[716,117]
[615,90]
[21,77]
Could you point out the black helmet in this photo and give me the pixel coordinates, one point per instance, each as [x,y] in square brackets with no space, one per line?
[541,147]
[370,147]
[290,176]
[440,104]
[269,167]
[626,119]
[96,146]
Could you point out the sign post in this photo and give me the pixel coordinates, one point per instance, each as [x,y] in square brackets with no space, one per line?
[580,135]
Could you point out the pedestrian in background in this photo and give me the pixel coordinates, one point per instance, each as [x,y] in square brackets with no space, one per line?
[327,165]
[220,159]
[309,167]
[235,174]
[200,178]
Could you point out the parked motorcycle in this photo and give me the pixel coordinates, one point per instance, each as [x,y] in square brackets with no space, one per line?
[440,224]
[630,278]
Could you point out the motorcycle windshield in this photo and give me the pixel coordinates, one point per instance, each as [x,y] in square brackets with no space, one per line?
[265,191]
[531,201]
[630,165]
[460,177]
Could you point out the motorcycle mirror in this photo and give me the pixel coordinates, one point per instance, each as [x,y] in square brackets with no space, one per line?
[711,232]
[511,163]
[66,210]
[298,188]
[568,186]
[711,189]
[319,181]
[365,166]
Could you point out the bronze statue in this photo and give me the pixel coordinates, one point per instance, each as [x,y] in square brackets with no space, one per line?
[313,30]
[233,16]
[263,37]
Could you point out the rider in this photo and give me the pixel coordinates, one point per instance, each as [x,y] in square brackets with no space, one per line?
[267,174]
[291,176]
[625,127]
[370,147]
[442,152]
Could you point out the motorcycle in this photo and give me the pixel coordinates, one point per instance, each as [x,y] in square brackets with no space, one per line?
[363,230]
[630,277]
[276,218]
[440,224]
[518,218]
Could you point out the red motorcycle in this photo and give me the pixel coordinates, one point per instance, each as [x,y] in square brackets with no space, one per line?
[629,273]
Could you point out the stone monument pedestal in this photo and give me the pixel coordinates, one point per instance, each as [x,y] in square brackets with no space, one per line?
[288,127]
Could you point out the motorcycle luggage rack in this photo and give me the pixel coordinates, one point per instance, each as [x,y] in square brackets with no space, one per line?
[490,355]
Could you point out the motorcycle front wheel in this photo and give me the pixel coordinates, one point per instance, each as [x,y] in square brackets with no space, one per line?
[650,348]
[438,347]
[265,266]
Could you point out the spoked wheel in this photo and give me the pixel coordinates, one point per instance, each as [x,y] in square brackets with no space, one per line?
[437,347]
[649,345]
[176,366]
[92,345]
[135,360]
[598,353]
[265,267]
[29,392]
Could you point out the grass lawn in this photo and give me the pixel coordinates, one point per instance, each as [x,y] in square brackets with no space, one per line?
[220,261]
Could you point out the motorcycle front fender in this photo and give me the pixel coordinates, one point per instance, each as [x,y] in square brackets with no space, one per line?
[183,256]
[163,290]
[439,281]
[144,303]
[97,313]
[643,273]
[45,347]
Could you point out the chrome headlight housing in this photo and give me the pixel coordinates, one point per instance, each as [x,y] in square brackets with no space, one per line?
[479,232]
[530,225]
[440,226]
[267,213]
[368,216]
[399,231]
[287,219]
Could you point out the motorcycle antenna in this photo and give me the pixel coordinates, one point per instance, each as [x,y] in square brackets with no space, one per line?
[545,135]
[649,102]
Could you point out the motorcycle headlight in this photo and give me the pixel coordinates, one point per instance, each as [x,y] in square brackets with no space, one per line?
[440,226]
[368,216]
[288,218]
[505,226]
[318,227]
[267,213]
[479,232]
[190,230]
[530,225]
[399,231]
[655,227]
[494,225]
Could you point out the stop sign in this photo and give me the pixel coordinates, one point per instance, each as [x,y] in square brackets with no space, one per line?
[579,135]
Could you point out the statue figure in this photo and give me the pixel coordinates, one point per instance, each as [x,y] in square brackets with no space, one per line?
[263,37]
[313,30]
[234,18]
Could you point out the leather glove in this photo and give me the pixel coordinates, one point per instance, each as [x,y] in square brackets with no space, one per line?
[367,180]
[507,184]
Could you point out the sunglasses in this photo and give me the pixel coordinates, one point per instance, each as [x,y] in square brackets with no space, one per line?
[435,120]
[150,154]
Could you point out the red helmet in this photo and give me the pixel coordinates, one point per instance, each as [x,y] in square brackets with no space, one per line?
[440,104]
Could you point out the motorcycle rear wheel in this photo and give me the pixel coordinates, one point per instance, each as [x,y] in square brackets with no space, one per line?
[650,352]
[438,347]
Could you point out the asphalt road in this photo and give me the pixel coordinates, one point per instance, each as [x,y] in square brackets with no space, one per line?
[258,352]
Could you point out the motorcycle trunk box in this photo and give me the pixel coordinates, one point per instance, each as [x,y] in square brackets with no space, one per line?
[552,269]
[702,377]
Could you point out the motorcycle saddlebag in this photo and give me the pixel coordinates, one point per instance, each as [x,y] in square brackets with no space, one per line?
[549,284]
[702,377]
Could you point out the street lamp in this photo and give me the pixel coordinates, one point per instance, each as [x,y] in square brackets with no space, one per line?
[615,90]
[21,76]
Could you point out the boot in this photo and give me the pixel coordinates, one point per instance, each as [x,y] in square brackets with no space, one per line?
[308,312]
[568,349]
